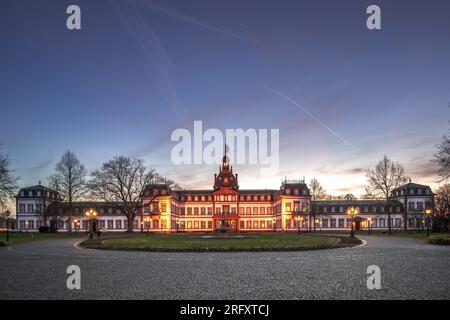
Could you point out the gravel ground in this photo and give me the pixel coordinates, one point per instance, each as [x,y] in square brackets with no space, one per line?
[410,269]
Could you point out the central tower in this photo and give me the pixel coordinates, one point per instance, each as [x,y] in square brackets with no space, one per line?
[226,178]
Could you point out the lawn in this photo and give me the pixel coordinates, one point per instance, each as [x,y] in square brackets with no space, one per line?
[215,242]
[22,237]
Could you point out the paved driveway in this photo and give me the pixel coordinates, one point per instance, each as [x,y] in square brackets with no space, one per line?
[410,269]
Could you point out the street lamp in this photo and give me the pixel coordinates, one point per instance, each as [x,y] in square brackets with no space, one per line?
[369,222]
[147,223]
[428,213]
[91,214]
[75,222]
[318,224]
[274,222]
[352,212]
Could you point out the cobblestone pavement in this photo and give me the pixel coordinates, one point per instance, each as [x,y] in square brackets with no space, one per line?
[410,269]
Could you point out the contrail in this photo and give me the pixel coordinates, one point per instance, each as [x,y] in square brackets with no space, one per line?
[174,14]
[160,62]
[314,118]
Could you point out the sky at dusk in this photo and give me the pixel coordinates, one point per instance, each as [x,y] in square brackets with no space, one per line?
[342,96]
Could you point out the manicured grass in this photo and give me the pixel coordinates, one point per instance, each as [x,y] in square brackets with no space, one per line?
[195,242]
[22,237]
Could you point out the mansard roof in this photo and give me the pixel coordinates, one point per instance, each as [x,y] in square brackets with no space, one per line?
[411,186]
[183,192]
[363,202]
[258,191]
[85,204]
[34,189]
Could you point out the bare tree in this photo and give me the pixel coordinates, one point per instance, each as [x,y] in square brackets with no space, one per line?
[70,180]
[347,197]
[121,182]
[317,192]
[382,180]
[369,195]
[8,183]
[55,210]
[442,201]
[442,157]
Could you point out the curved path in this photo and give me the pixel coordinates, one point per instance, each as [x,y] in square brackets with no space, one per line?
[410,269]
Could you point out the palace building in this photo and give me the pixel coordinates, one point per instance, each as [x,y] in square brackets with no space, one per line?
[288,208]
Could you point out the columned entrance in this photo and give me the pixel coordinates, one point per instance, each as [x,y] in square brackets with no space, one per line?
[225,221]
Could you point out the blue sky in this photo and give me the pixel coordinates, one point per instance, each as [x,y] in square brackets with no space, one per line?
[137,70]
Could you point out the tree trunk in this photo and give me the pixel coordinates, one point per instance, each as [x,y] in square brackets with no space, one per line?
[389,216]
[130,219]
[69,221]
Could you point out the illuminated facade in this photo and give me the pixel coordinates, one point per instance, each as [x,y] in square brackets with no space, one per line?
[226,206]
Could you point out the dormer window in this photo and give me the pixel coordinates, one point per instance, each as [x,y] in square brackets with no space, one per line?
[296,191]
[288,191]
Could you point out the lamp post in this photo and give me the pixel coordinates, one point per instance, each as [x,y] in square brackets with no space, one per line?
[91,214]
[317,221]
[274,222]
[298,224]
[352,212]
[147,223]
[7,213]
[75,224]
[428,213]
[369,222]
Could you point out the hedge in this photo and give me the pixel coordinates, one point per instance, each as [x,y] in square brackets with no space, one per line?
[443,240]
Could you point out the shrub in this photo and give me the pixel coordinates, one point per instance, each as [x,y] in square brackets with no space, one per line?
[44,229]
[442,240]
